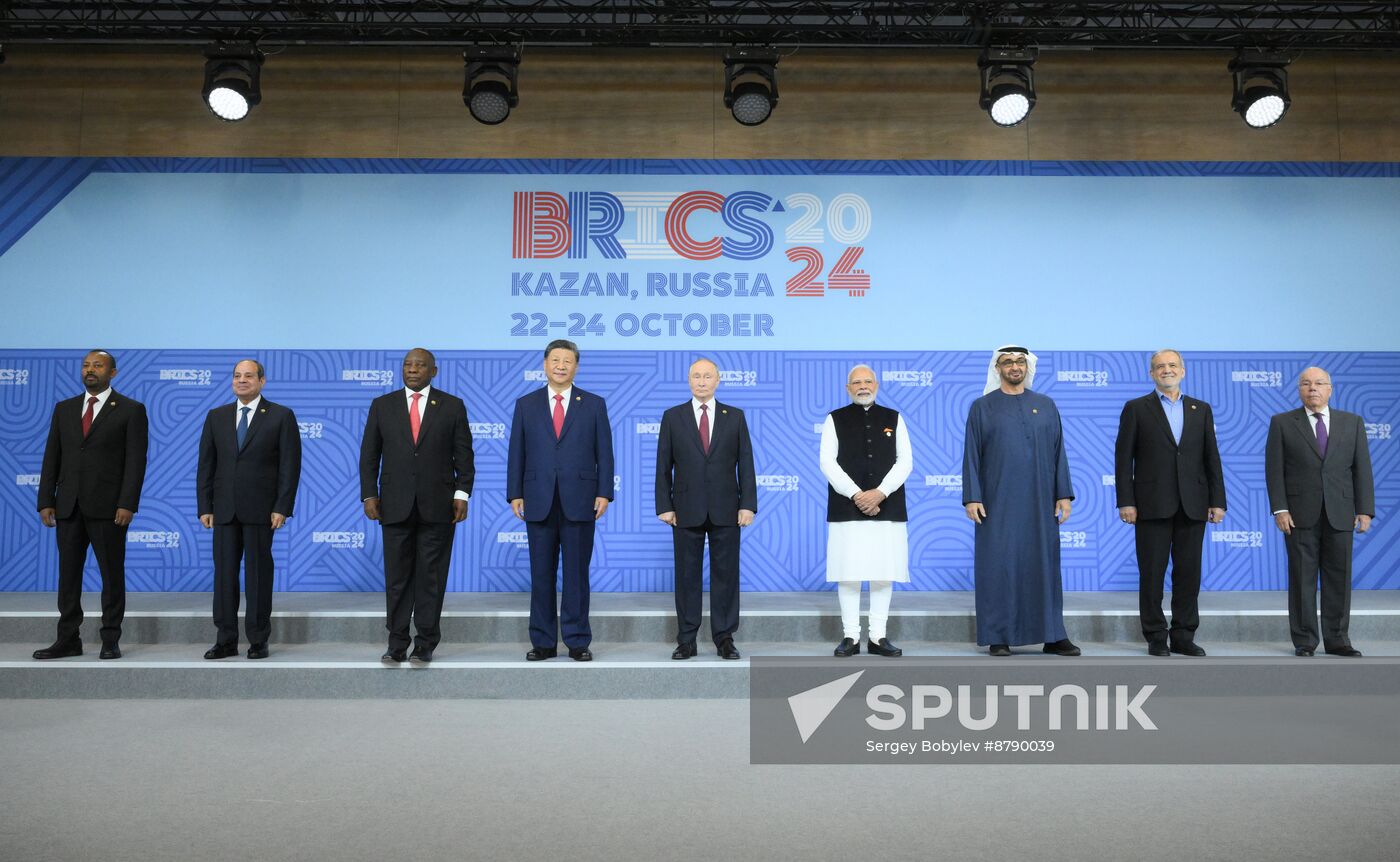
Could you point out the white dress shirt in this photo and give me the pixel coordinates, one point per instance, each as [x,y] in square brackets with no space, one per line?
[101,402]
[568,396]
[695,409]
[427,393]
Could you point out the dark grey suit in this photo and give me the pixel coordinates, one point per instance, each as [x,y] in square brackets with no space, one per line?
[1323,495]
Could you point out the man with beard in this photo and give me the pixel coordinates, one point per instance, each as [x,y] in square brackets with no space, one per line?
[89,487]
[1016,489]
[866,457]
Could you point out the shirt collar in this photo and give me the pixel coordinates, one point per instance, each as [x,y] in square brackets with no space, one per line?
[567,393]
[101,398]
[696,402]
[409,393]
[1324,410]
[1162,396]
[238,405]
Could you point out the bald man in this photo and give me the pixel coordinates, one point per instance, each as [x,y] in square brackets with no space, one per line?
[1318,471]
[705,489]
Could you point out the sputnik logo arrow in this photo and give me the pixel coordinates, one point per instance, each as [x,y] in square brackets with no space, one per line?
[811,707]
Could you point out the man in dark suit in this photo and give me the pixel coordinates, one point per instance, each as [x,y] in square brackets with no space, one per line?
[246,481]
[559,480]
[705,488]
[1169,482]
[89,488]
[416,473]
[1317,467]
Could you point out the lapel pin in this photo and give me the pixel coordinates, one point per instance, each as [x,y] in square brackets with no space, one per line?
[1193,406]
[262,410]
[432,403]
[578,397]
[724,411]
[1035,410]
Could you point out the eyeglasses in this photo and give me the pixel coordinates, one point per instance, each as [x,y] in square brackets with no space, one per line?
[1006,363]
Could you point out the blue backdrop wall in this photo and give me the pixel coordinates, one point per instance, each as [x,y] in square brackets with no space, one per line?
[786,273]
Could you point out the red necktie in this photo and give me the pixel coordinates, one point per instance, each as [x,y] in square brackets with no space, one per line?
[705,428]
[414,423]
[87,417]
[558,416]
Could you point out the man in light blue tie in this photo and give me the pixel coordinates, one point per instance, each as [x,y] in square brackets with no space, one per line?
[249,470]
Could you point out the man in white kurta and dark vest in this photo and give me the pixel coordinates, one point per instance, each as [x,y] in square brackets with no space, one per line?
[866,457]
[1016,489]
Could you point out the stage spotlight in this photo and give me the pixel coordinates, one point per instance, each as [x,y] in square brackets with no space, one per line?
[1008,84]
[751,85]
[490,88]
[231,81]
[1261,88]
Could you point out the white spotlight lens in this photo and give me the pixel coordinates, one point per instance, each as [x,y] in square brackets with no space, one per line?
[1265,111]
[1009,107]
[228,104]
[752,108]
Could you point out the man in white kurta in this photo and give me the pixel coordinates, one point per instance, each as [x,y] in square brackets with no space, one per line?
[866,458]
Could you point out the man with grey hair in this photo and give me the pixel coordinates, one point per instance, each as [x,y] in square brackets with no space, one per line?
[866,458]
[1317,468]
[1169,485]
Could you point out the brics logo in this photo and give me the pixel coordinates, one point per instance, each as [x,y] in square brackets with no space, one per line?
[1096,379]
[367,376]
[1377,430]
[187,376]
[907,377]
[535,375]
[652,428]
[1238,538]
[739,378]
[1257,379]
[1108,480]
[488,430]
[1074,539]
[344,539]
[519,539]
[311,430]
[777,482]
[14,376]
[27,480]
[949,482]
[162,539]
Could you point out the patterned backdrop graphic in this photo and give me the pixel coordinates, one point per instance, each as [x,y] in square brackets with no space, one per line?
[330,546]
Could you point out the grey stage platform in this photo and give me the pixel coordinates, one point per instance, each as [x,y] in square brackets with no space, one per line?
[326,645]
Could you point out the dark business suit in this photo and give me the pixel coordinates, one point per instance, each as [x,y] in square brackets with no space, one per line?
[241,488]
[559,479]
[85,482]
[1172,485]
[706,491]
[1323,495]
[416,484]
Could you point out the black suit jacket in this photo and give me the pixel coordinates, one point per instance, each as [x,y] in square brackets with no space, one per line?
[697,486]
[105,472]
[1303,482]
[248,485]
[427,475]
[1156,474]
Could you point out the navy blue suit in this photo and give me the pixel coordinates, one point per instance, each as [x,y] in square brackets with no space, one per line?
[559,478]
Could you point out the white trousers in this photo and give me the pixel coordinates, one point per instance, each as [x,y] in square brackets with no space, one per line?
[849,594]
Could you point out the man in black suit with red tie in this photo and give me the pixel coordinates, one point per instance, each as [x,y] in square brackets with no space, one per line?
[705,488]
[1317,467]
[416,473]
[89,488]
[1170,485]
[246,482]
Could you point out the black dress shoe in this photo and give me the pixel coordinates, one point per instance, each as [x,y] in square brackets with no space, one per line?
[999,650]
[580,654]
[256,651]
[395,656]
[221,651]
[540,653]
[421,656]
[1347,651]
[683,652]
[1063,646]
[60,650]
[1303,652]
[847,648]
[1187,648]
[883,647]
[1158,649]
[727,650]
[110,651]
